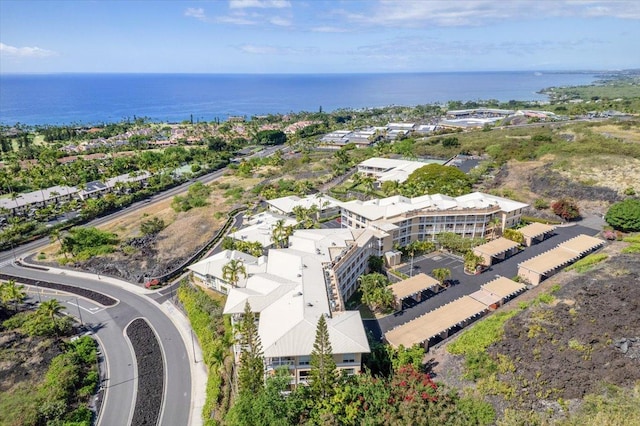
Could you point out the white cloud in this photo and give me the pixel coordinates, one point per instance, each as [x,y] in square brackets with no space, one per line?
[480,12]
[261,4]
[328,29]
[281,22]
[235,19]
[198,13]
[25,52]
[276,50]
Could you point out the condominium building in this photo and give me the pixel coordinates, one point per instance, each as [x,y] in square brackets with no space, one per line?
[422,218]
[311,278]
[324,205]
[389,169]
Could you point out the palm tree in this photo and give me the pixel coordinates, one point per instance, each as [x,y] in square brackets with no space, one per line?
[441,274]
[55,236]
[278,233]
[51,310]
[12,292]
[494,223]
[232,271]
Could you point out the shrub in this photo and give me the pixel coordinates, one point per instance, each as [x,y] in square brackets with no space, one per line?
[152,226]
[625,215]
[541,204]
[587,263]
[566,209]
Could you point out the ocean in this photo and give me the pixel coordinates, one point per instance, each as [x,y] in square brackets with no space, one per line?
[36,99]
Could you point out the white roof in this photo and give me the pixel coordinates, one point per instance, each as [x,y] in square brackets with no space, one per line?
[393,206]
[38,196]
[286,204]
[212,266]
[291,295]
[260,228]
[394,169]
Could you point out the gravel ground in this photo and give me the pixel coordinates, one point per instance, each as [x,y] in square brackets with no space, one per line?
[150,373]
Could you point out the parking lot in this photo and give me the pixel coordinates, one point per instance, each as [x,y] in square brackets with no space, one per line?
[332,224]
[463,284]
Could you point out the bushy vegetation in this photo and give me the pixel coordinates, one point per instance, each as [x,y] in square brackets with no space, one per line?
[566,209]
[85,242]
[625,215]
[456,243]
[214,334]
[62,396]
[588,262]
[436,179]
[152,226]
[376,292]
[197,195]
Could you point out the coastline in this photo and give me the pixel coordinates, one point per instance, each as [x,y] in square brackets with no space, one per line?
[89,99]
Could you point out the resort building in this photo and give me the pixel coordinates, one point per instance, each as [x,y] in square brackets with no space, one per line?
[422,218]
[299,284]
[325,205]
[209,272]
[31,201]
[259,228]
[389,169]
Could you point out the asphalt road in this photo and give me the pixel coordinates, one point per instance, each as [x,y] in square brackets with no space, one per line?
[109,324]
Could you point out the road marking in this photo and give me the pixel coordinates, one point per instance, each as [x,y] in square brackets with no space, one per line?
[6,263]
[80,307]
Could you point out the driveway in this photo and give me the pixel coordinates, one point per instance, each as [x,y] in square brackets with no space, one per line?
[464,284]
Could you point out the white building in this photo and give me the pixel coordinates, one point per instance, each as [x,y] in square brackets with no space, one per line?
[422,218]
[327,206]
[299,285]
[389,169]
[208,272]
[260,228]
[23,203]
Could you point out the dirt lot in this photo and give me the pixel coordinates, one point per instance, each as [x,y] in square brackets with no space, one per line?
[589,335]
[184,234]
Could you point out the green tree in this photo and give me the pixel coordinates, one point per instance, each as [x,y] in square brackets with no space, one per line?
[376,292]
[514,235]
[323,367]
[441,274]
[251,371]
[434,179]
[375,264]
[471,261]
[12,292]
[232,271]
[625,215]
[51,311]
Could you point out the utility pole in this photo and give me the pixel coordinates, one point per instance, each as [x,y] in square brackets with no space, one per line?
[79,312]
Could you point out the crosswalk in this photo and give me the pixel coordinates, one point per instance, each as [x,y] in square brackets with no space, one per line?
[6,262]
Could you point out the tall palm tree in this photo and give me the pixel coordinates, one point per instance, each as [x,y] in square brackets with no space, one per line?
[494,223]
[278,233]
[12,292]
[232,271]
[55,236]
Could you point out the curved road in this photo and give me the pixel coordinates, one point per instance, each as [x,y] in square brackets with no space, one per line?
[109,324]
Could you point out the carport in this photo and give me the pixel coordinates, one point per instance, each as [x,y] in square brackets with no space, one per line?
[498,249]
[545,265]
[498,291]
[412,288]
[437,323]
[536,232]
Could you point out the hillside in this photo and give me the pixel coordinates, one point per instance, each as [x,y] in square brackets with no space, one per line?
[574,341]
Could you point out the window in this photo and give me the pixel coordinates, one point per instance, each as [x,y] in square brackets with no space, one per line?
[348,357]
[349,371]
[304,375]
[304,360]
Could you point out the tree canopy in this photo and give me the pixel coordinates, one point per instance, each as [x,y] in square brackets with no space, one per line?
[436,179]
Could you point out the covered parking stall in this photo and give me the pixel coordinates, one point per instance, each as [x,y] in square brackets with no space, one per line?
[437,324]
[536,269]
[536,232]
[496,292]
[413,289]
[496,250]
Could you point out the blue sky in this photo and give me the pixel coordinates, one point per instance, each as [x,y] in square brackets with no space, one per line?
[317,36]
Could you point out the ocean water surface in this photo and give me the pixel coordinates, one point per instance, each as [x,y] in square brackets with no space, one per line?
[99,98]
